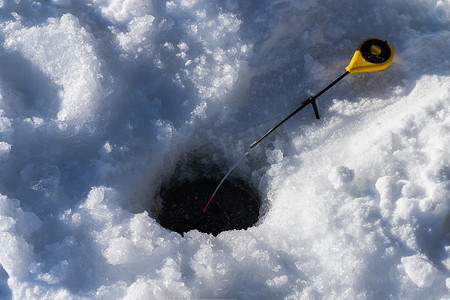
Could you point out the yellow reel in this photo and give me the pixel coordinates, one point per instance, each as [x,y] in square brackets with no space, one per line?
[371,55]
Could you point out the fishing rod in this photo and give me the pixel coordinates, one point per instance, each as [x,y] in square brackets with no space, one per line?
[311,100]
[371,55]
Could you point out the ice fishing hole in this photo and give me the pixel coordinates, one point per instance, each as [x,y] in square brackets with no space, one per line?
[235,206]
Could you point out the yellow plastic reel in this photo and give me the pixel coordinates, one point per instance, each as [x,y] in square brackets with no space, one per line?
[371,55]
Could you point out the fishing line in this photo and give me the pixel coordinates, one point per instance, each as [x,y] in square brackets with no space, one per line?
[371,55]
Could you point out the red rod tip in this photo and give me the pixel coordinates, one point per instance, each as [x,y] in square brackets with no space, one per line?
[204,210]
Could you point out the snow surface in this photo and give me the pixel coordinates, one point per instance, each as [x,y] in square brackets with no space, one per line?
[100,99]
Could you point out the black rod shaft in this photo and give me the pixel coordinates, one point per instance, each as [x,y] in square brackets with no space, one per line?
[305,103]
[331,84]
[254,144]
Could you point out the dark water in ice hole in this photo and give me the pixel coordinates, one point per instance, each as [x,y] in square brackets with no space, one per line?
[235,206]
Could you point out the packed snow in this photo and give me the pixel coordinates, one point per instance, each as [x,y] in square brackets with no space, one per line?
[101,99]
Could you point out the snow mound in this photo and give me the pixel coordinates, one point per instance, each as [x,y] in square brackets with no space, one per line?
[421,272]
[341,176]
[100,100]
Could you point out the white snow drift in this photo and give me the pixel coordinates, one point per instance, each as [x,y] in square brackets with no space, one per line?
[100,99]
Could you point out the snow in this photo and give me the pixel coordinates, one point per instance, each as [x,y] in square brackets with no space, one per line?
[421,272]
[341,176]
[101,99]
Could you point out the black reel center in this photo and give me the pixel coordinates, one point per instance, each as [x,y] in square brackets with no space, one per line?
[375,51]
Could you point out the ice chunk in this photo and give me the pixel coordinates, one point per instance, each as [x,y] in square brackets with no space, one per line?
[16,227]
[5,148]
[5,124]
[120,11]
[35,121]
[98,202]
[388,191]
[120,251]
[138,36]
[405,208]
[15,219]
[274,156]
[341,176]
[420,270]
[56,274]
[277,281]
[15,256]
